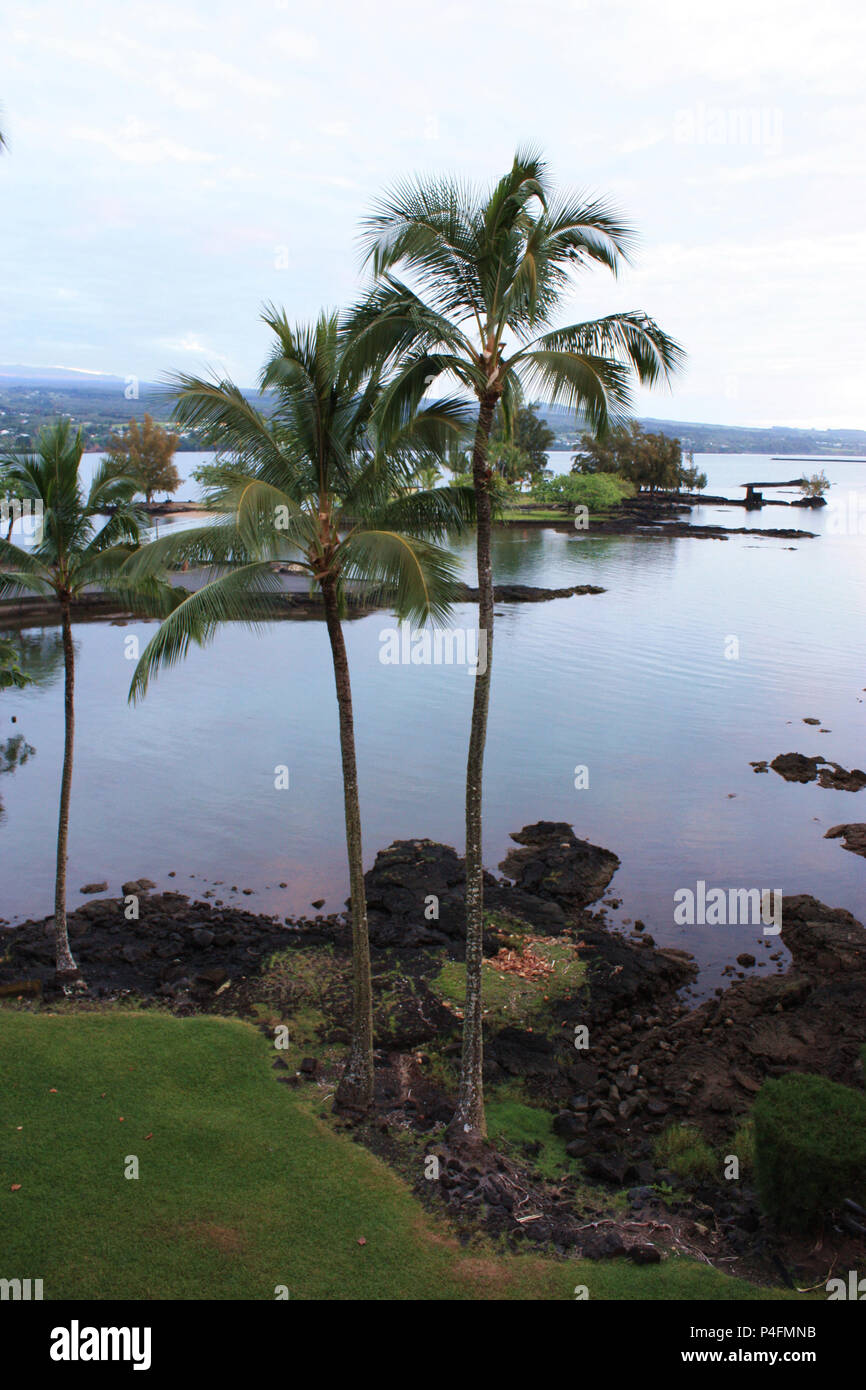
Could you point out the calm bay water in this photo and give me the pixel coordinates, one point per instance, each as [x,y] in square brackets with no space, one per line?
[633,683]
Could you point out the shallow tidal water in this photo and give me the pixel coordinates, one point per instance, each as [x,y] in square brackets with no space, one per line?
[642,686]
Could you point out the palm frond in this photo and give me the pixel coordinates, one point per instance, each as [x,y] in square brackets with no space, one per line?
[392,320]
[418,578]
[632,338]
[429,224]
[596,385]
[430,513]
[217,544]
[242,596]
[22,571]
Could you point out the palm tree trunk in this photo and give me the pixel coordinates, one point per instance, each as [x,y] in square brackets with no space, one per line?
[355,1090]
[67,969]
[469,1123]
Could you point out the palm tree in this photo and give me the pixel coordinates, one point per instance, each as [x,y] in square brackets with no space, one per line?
[489,269]
[82,539]
[321,476]
[428,473]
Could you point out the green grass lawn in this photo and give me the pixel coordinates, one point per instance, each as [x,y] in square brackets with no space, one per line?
[561,514]
[242,1186]
[511,1122]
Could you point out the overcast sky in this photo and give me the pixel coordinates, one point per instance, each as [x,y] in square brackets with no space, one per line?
[172,166]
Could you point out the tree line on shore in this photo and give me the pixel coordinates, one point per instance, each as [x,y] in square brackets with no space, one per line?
[466,285]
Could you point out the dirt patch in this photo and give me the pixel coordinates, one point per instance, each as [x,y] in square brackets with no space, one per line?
[223,1238]
[475,1271]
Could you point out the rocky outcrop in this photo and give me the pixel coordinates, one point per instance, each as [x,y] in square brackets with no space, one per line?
[706,1065]
[554,864]
[798,767]
[525,593]
[854,837]
[415,889]
[838,779]
[175,948]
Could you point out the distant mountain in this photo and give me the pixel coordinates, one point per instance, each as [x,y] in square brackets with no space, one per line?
[722,439]
[52,376]
[31,396]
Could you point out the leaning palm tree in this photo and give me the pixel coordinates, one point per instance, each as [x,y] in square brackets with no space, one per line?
[80,539]
[319,477]
[489,270]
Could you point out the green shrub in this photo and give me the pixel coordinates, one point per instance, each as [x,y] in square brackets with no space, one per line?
[743,1145]
[810,1148]
[684,1150]
[596,491]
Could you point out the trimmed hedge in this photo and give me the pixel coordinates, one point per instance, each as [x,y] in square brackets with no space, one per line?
[810,1148]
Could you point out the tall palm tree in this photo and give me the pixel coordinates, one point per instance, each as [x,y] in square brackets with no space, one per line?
[319,475]
[84,538]
[489,270]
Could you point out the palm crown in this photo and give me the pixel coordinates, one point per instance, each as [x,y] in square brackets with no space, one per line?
[85,536]
[322,478]
[489,271]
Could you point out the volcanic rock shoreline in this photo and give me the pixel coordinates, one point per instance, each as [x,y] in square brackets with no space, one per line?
[297,603]
[706,1061]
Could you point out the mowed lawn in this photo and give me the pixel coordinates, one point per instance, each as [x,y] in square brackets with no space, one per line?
[241,1187]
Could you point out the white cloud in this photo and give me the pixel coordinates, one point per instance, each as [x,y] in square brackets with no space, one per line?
[635,144]
[209,68]
[190,342]
[135,144]
[294,44]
